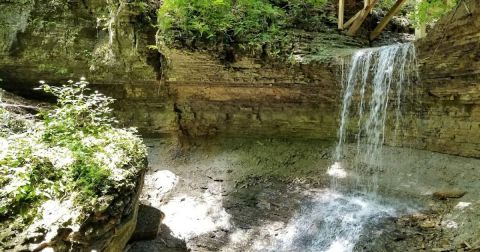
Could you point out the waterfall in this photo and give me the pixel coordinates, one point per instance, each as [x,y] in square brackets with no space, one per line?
[375,81]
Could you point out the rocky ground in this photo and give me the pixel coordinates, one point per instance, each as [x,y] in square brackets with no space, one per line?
[249,194]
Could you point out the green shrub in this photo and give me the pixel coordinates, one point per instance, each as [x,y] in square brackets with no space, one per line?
[429,11]
[250,24]
[78,111]
[73,152]
[421,13]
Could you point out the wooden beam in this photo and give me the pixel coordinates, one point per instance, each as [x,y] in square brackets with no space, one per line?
[341,12]
[366,3]
[361,18]
[421,30]
[383,23]
[350,21]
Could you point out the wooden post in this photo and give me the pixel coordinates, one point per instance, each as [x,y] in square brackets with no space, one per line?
[341,12]
[366,3]
[361,18]
[421,32]
[350,21]
[383,23]
[421,29]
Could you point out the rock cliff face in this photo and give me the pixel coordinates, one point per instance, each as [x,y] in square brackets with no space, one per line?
[249,97]
[106,41]
[196,94]
[252,97]
[446,117]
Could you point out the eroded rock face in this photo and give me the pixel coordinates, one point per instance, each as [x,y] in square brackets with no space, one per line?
[250,97]
[105,41]
[197,94]
[109,228]
[14,20]
[446,116]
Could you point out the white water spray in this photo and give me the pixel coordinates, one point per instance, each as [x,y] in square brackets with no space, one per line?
[331,222]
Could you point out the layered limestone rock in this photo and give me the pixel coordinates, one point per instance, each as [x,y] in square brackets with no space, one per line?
[106,41]
[197,94]
[445,116]
[250,97]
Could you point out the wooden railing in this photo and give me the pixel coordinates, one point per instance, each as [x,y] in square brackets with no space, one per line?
[354,23]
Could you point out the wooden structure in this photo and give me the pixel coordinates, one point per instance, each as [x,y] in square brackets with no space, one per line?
[354,23]
[420,31]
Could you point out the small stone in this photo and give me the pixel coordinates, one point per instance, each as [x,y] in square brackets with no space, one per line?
[443,195]
[427,224]
[263,205]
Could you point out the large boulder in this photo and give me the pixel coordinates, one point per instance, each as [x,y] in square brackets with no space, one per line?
[58,213]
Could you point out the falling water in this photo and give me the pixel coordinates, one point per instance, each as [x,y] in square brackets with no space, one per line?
[374,84]
[376,80]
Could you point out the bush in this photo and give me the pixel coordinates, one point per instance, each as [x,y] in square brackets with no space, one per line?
[250,24]
[425,12]
[429,11]
[72,153]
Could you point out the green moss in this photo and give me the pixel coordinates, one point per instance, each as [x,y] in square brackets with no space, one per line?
[74,153]
[253,26]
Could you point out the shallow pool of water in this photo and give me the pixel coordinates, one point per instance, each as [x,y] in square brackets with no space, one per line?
[333,221]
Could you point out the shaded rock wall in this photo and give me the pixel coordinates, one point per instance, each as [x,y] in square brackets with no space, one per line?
[107,41]
[446,115]
[196,94]
[249,97]
[147,106]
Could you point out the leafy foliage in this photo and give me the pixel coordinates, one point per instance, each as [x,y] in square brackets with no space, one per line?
[76,111]
[421,13]
[10,123]
[72,153]
[428,11]
[251,24]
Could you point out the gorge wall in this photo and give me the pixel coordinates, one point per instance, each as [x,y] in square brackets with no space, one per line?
[196,94]
[106,41]
[250,98]
[446,116]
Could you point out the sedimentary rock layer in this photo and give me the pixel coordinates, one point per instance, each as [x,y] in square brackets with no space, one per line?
[196,94]
[447,117]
